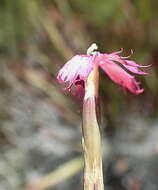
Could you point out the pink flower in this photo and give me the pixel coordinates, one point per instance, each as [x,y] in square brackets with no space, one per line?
[78,68]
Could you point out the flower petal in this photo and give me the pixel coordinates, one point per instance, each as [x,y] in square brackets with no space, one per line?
[78,67]
[122,60]
[134,64]
[135,70]
[117,52]
[128,64]
[121,77]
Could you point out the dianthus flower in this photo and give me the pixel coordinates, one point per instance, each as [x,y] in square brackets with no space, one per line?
[82,72]
[78,68]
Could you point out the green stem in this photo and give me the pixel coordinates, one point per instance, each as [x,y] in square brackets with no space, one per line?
[93,174]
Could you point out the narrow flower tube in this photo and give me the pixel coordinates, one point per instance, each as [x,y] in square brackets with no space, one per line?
[93,174]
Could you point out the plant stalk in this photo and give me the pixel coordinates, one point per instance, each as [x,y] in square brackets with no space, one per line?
[93,174]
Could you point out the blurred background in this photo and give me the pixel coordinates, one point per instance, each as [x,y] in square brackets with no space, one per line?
[40,124]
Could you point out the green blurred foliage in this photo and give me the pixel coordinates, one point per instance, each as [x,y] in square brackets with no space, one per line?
[98,12]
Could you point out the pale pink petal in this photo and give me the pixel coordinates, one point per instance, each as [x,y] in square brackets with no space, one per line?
[135,70]
[128,64]
[114,57]
[128,56]
[111,57]
[121,77]
[134,64]
[117,52]
[78,67]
